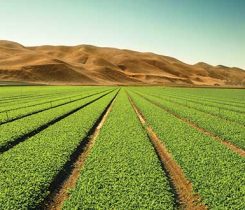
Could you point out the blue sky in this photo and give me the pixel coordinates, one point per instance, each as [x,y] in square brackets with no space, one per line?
[212,31]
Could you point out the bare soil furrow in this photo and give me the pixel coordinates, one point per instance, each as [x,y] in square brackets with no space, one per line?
[209,113]
[68,177]
[45,109]
[186,197]
[43,127]
[231,146]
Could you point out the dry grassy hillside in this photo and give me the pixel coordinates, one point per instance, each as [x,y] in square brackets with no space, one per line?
[85,64]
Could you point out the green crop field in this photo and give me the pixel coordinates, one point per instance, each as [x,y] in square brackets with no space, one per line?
[64,147]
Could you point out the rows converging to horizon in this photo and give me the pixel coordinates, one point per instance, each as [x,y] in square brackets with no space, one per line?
[121,148]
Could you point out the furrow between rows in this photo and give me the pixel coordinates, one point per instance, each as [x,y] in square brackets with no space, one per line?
[122,170]
[231,146]
[30,170]
[229,116]
[186,197]
[215,171]
[49,106]
[68,176]
[10,143]
[228,131]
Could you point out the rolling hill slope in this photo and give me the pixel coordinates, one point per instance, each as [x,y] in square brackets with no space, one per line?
[85,64]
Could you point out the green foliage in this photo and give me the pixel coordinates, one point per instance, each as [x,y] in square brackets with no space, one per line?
[227,130]
[15,97]
[27,170]
[216,172]
[13,130]
[122,171]
[23,108]
[227,112]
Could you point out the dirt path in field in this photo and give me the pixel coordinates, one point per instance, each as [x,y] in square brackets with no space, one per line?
[60,194]
[186,198]
[231,146]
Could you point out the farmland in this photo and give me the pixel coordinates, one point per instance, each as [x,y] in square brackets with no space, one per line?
[74,147]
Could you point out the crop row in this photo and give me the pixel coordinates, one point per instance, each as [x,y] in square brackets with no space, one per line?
[230,96]
[231,106]
[27,170]
[122,170]
[207,95]
[15,130]
[227,130]
[36,99]
[44,100]
[25,97]
[216,106]
[29,91]
[23,93]
[204,107]
[217,174]
[36,108]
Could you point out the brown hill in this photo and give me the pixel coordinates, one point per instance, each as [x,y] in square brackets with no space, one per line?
[85,64]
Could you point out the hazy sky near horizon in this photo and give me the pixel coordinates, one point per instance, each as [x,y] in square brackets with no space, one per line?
[211,31]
